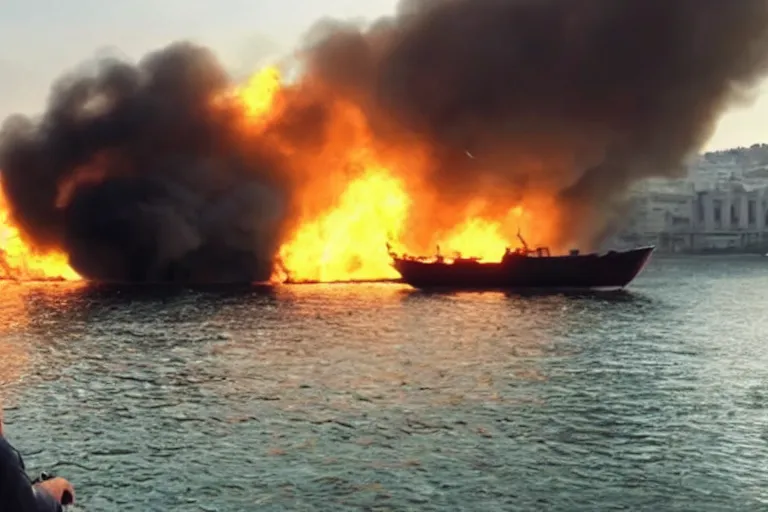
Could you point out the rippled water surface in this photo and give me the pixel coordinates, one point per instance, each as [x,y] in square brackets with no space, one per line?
[377,397]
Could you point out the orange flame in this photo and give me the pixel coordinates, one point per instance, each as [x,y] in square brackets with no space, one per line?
[347,242]
[346,239]
[20,262]
[353,196]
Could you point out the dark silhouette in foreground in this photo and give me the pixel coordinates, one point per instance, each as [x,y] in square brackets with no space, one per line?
[20,494]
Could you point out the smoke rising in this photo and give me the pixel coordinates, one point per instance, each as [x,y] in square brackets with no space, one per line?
[575,98]
[134,175]
[138,179]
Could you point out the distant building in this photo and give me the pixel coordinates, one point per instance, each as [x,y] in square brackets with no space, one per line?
[721,205]
[730,218]
[662,218]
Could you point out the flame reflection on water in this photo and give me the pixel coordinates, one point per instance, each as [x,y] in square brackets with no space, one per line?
[344,339]
[350,345]
[14,352]
[307,394]
[303,343]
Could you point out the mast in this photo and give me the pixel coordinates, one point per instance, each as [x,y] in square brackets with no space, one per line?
[522,240]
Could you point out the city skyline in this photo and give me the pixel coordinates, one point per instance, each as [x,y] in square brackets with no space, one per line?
[38,49]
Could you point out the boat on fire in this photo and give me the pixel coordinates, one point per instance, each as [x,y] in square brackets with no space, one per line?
[525,268]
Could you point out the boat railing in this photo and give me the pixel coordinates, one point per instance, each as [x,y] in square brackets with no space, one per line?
[538,252]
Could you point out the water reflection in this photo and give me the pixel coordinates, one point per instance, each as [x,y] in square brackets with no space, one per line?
[368,346]
[26,351]
[301,396]
[78,301]
[609,296]
[14,352]
[348,346]
[342,339]
[300,342]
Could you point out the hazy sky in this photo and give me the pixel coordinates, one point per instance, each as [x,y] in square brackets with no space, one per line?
[39,39]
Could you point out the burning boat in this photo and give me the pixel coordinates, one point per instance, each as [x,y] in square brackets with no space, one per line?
[525,268]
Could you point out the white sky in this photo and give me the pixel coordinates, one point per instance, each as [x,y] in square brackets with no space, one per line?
[40,39]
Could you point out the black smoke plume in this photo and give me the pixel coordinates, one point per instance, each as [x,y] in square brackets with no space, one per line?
[571,99]
[575,98]
[133,173]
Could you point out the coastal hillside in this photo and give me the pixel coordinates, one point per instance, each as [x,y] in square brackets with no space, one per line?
[753,160]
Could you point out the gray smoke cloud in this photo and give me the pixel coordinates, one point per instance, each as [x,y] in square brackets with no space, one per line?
[573,99]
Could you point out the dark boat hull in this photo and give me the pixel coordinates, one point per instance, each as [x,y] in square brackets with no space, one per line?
[613,270]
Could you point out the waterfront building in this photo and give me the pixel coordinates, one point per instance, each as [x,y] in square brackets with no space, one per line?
[721,205]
